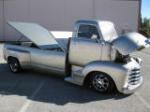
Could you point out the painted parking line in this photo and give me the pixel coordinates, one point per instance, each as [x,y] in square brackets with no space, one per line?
[29,101]
[143,100]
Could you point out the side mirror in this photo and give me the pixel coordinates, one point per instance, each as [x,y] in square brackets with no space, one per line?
[94,37]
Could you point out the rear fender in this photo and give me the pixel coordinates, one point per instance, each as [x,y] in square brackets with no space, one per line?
[23,56]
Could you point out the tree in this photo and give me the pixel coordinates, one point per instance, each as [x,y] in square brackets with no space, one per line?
[145,27]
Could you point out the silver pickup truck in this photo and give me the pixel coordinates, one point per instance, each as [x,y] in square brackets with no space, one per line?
[95,55]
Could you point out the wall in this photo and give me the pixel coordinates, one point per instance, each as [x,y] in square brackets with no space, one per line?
[61,14]
[1,20]
[124,13]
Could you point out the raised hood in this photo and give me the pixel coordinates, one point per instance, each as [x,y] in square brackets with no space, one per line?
[37,34]
[130,42]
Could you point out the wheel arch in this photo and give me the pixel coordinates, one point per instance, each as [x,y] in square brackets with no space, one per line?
[90,74]
[14,68]
[112,87]
[115,71]
[12,57]
[22,57]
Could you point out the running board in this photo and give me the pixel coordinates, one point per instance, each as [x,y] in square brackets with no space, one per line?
[71,80]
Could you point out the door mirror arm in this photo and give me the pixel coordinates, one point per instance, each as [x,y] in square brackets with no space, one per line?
[100,41]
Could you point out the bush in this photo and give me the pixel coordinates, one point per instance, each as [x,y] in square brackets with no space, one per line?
[145,27]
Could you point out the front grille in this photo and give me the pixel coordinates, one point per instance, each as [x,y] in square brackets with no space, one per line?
[134,76]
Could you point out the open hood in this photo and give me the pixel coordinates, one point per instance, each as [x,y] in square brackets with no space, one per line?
[37,34]
[130,42]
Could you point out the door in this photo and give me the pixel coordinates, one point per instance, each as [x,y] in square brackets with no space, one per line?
[86,47]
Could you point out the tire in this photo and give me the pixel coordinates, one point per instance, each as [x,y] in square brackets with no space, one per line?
[14,65]
[101,82]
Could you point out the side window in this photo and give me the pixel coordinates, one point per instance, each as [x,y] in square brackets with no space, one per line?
[88,32]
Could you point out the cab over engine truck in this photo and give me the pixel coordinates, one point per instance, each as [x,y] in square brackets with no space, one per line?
[94,56]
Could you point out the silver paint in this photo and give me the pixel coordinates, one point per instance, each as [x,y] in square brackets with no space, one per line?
[85,55]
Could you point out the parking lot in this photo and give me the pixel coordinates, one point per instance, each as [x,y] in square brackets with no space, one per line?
[33,91]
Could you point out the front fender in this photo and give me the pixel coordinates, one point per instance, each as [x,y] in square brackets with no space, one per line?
[115,70]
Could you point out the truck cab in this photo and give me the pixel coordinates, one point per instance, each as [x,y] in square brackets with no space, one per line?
[98,36]
[94,56]
[94,29]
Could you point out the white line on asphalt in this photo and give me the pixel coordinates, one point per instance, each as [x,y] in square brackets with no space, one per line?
[143,100]
[28,102]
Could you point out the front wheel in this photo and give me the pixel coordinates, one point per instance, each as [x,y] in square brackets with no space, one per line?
[101,82]
[14,65]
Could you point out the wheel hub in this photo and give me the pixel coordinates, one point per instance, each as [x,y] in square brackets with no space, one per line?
[100,82]
[14,66]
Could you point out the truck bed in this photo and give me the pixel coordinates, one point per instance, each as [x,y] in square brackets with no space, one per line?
[56,47]
[19,43]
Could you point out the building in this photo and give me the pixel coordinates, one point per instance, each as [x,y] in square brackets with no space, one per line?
[61,14]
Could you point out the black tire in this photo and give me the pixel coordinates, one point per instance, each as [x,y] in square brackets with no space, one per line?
[14,65]
[102,83]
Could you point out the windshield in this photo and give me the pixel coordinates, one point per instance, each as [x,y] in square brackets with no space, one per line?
[108,30]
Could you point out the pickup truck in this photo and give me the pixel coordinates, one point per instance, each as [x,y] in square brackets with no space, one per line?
[95,56]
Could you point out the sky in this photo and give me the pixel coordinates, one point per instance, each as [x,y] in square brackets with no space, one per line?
[146,8]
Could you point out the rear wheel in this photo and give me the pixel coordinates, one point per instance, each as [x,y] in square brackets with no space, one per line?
[14,65]
[101,82]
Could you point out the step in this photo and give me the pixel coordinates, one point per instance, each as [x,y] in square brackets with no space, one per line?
[71,80]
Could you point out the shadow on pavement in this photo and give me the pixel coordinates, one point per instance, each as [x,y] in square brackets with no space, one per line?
[54,90]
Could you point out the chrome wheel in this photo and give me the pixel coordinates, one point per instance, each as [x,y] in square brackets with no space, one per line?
[101,82]
[14,65]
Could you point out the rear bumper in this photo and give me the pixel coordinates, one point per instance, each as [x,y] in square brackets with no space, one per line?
[129,89]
